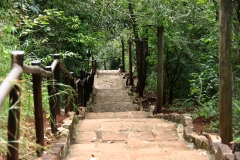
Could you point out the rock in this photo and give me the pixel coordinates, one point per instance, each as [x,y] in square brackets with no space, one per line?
[224,152]
[237,156]
[63,131]
[187,132]
[214,141]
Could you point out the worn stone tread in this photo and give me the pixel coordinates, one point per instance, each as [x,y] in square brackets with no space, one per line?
[115,130]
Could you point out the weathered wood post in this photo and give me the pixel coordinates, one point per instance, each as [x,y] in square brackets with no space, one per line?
[38,112]
[81,89]
[75,97]
[160,36]
[123,56]
[88,85]
[52,100]
[140,67]
[14,111]
[91,81]
[67,100]
[85,86]
[130,62]
[72,84]
[225,72]
[57,81]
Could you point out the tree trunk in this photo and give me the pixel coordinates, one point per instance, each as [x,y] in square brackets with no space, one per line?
[145,54]
[160,35]
[225,72]
[135,32]
[123,57]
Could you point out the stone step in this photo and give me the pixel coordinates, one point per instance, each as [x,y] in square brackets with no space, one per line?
[117,115]
[113,102]
[97,110]
[120,136]
[108,96]
[114,105]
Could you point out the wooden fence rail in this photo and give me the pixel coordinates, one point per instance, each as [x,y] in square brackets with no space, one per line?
[12,86]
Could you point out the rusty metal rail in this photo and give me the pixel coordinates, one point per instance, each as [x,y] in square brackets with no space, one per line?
[11,85]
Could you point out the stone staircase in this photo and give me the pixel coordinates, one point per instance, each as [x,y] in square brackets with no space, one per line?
[115,130]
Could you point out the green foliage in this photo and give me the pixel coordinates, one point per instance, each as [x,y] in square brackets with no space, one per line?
[236,118]
[152,82]
[42,28]
[209,109]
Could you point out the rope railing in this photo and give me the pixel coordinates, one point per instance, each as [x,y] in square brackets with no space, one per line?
[11,86]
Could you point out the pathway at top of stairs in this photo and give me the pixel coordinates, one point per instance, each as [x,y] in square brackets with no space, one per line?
[114,130]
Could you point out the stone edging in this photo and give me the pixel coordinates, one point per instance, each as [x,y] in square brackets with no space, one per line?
[209,142]
[58,150]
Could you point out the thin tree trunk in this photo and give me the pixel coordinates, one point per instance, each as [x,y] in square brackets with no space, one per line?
[160,34]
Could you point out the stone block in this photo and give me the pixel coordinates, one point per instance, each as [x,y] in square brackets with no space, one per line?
[224,152]
[82,112]
[214,141]
[160,115]
[165,116]
[56,151]
[49,157]
[168,117]
[237,156]
[187,132]
[200,141]
[182,118]
[177,118]
[63,148]
[173,115]
[187,121]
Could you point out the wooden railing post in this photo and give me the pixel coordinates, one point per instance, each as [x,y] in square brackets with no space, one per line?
[67,100]
[91,81]
[52,100]
[72,83]
[14,112]
[140,68]
[81,89]
[85,86]
[123,56]
[130,62]
[38,113]
[57,87]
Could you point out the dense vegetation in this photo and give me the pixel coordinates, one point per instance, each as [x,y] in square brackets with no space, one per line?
[71,27]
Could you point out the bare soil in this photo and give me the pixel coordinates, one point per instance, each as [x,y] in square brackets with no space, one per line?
[49,137]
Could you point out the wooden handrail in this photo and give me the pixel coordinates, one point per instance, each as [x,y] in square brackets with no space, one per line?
[11,85]
[36,70]
[64,69]
[8,82]
[54,64]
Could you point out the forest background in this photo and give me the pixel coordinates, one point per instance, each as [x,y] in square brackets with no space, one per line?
[75,28]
